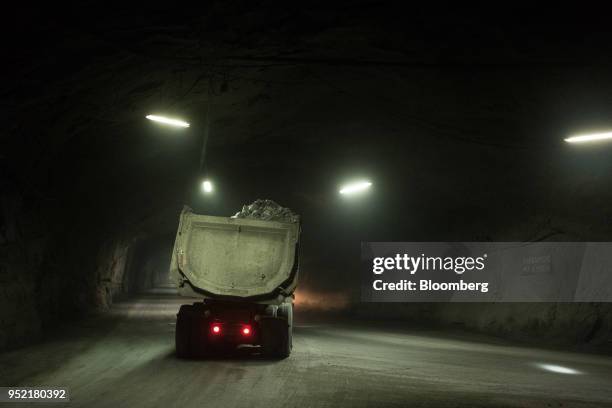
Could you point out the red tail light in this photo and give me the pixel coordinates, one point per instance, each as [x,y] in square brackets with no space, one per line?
[246,330]
[215,328]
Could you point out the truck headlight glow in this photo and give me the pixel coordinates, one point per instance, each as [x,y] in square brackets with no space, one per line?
[168,121]
[355,187]
[589,138]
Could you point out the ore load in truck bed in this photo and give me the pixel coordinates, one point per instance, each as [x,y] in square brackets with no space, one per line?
[267,210]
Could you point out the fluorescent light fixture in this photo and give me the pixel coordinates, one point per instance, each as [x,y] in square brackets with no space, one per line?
[355,187]
[168,121]
[207,186]
[589,138]
[558,369]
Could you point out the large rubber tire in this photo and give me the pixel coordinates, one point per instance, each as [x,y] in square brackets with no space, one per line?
[199,332]
[183,331]
[286,311]
[274,339]
[277,332]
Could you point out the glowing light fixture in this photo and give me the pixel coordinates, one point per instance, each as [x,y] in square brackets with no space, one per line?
[355,187]
[589,138]
[558,369]
[216,329]
[168,121]
[246,330]
[207,186]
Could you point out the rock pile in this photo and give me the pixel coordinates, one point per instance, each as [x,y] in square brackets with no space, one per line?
[267,210]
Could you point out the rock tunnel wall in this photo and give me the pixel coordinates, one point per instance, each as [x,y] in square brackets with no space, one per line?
[19,314]
[50,274]
[552,323]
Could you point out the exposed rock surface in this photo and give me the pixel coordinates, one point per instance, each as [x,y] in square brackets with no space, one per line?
[267,210]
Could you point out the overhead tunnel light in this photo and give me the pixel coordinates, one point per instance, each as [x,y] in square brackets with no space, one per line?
[589,138]
[355,187]
[168,121]
[553,368]
[207,186]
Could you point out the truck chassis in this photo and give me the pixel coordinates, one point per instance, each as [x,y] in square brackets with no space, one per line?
[207,328]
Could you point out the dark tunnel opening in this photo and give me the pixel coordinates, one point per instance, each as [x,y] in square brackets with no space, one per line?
[147,265]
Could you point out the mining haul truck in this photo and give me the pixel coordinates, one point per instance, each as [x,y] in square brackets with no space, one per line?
[245,270]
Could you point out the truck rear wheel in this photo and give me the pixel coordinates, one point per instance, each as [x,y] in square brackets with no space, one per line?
[190,334]
[199,332]
[286,311]
[182,333]
[277,333]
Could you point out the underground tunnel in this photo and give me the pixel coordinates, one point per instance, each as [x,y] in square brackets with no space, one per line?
[138,148]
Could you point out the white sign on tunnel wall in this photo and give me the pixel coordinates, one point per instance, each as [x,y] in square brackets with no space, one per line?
[486,272]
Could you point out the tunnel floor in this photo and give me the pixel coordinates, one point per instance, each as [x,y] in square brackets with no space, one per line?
[126,358]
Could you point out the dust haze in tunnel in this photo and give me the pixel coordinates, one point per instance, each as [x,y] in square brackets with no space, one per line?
[462,143]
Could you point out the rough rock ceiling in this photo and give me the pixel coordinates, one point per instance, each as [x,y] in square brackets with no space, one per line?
[341,83]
